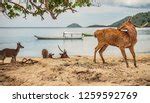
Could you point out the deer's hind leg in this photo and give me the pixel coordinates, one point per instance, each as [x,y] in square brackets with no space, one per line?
[99,46]
[133,54]
[124,56]
[101,52]
[13,60]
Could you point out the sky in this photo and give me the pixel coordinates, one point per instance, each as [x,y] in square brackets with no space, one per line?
[109,12]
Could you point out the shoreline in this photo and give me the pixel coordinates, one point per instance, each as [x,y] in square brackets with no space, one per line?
[77,71]
[107,55]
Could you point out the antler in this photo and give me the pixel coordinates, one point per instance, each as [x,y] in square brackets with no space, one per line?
[60,49]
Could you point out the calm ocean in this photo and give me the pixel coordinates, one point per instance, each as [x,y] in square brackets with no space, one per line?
[10,36]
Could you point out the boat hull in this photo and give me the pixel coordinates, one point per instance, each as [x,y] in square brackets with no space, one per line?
[58,38]
[87,35]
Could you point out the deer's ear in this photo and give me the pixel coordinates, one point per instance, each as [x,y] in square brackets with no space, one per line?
[129,19]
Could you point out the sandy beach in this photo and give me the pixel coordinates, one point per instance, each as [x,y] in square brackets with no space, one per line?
[76,71]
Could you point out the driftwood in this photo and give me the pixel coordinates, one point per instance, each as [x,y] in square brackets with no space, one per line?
[28,61]
[64,53]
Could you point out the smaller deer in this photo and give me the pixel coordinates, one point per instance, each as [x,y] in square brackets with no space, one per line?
[7,52]
[63,54]
[45,53]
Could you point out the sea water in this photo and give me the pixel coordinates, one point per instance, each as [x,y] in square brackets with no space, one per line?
[33,47]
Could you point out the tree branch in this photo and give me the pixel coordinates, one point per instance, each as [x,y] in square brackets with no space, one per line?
[25,11]
[52,7]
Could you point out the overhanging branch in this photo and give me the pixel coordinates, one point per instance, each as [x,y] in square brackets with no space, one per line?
[53,8]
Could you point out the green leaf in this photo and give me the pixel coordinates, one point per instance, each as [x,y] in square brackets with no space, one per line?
[29,7]
[9,7]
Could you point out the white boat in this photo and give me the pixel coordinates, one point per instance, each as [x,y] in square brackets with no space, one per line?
[66,36]
[57,38]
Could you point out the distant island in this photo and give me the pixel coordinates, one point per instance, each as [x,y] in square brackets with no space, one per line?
[74,25]
[97,26]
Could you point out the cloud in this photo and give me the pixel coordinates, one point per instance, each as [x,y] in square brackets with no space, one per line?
[127,3]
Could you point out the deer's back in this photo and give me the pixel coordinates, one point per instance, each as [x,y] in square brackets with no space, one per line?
[9,52]
[113,37]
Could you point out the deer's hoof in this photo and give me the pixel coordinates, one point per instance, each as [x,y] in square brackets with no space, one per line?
[105,63]
[135,66]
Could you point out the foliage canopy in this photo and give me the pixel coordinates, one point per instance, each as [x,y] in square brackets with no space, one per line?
[39,7]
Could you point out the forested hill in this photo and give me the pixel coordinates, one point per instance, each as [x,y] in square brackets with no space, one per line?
[74,25]
[140,20]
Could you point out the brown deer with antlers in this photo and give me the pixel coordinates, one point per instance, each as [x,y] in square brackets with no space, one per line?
[63,54]
[119,38]
[10,52]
